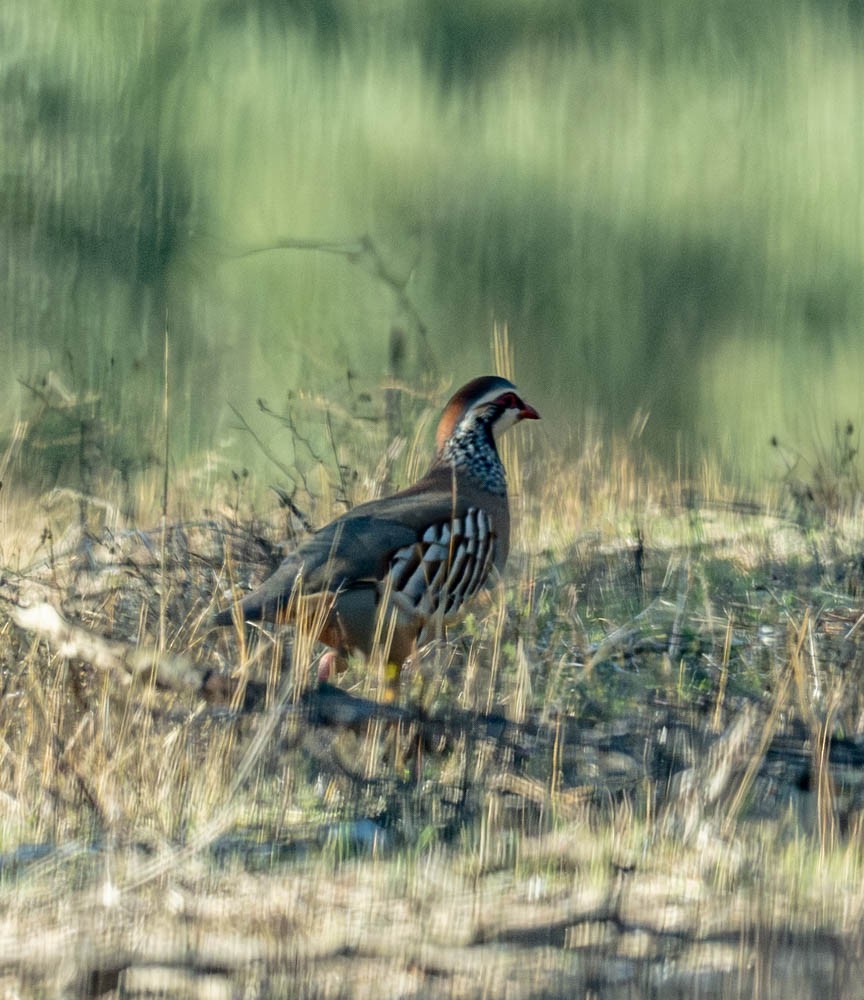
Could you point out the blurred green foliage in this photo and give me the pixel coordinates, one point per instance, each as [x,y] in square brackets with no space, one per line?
[662,200]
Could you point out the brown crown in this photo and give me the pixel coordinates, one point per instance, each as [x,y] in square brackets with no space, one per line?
[486,387]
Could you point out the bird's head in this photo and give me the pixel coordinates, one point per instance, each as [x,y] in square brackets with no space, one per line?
[486,402]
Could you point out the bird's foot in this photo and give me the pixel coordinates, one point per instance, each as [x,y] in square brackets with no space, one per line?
[330,664]
[391,683]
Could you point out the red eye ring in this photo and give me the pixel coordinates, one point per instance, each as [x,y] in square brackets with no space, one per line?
[511,401]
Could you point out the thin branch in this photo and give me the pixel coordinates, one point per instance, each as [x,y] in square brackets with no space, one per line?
[366,254]
[163,590]
[339,468]
[267,452]
[288,421]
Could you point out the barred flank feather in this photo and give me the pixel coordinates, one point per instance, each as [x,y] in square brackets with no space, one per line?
[446,568]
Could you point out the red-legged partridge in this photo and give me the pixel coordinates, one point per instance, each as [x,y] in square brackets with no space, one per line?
[392,570]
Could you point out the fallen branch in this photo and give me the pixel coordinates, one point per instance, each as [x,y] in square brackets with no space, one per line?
[126,662]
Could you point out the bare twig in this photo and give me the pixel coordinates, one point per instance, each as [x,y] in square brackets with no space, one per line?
[163,594]
[332,438]
[267,452]
[363,252]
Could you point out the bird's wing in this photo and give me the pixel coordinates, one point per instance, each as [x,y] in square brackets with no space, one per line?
[446,567]
[404,542]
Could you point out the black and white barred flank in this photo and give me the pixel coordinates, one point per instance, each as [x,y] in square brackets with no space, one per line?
[446,568]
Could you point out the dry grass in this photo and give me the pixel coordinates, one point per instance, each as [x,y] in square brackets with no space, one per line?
[640,774]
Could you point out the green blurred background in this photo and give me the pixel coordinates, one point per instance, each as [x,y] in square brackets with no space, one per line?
[661,200]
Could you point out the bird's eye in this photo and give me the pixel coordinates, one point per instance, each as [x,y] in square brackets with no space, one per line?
[509,401]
